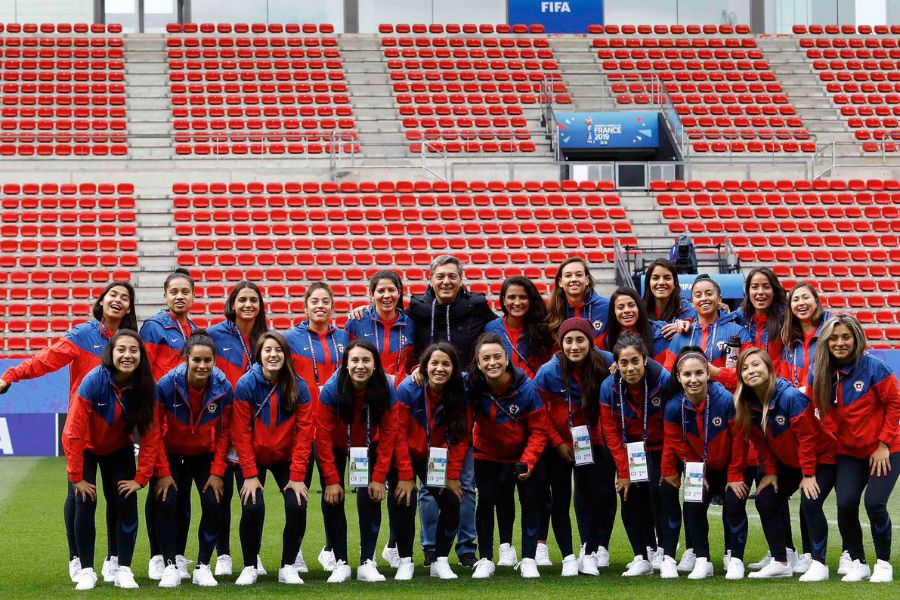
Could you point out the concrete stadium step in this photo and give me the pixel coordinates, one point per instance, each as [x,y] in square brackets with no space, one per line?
[147,97]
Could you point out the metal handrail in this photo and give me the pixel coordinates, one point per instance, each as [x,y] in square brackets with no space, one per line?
[620,265]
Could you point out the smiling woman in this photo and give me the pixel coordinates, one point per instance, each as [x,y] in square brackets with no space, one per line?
[165,332]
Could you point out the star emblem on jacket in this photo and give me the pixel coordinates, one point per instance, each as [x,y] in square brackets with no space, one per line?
[717,421]
[780,419]
[514,409]
[212,408]
[655,401]
[598,324]
[858,386]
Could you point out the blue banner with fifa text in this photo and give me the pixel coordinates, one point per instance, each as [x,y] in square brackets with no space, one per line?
[565,16]
[46,394]
[608,130]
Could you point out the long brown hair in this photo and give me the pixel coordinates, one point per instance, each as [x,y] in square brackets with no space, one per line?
[792,329]
[824,364]
[556,308]
[287,377]
[452,395]
[744,394]
[139,395]
[673,304]
[775,313]
[260,324]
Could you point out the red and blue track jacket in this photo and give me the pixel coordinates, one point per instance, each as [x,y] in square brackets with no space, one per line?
[713,339]
[595,309]
[187,434]
[685,312]
[758,329]
[411,443]
[96,424]
[80,348]
[516,348]
[794,435]
[511,425]
[234,354]
[394,339]
[556,395]
[652,393]
[164,338]
[660,343]
[684,437]
[796,362]
[865,407]
[316,356]
[331,432]
[263,433]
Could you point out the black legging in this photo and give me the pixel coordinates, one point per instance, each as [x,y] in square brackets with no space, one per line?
[813,514]
[557,504]
[852,478]
[368,510]
[172,520]
[253,516]
[496,483]
[772,506]
[641,512]
[115,467]
[404,517]
[595,500]
[69,519]
[735,511]
[223,542]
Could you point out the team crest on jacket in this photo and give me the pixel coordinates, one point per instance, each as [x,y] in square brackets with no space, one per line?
[212,408]
[858,386]
[717,421]
[339,347]
[780,419]
[513,409]
[598,324]
[655,401]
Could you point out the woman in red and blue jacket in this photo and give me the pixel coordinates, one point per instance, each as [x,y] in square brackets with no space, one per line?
[631,410]
[762,311]
[573,296]
[803,320]
[80,349]
[272,429]
[711,332]
[431,416]
[662,298]
[194,413]
[509,436]
[858,401]
[628,315]
[569,385]
[113,399]
[235,338]
[166,332]
[523,326]
[795,452]
[699,427]
[356,410]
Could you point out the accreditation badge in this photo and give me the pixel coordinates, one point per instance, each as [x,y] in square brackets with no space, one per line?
[359,466]
[693,481]
[637,462]
[437,467]
[581,442]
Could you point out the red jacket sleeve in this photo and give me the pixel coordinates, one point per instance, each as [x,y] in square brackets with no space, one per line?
[613,434]
[52,358]
[738,453]
[401,445]
[669,360]
[387,432]
[303,438]
[673,448]
[73,438]
[326,421]
[888,394]
[804,431]
[222,442]
[241,437]
[553,437]
[151,444]
[770,465]
[537,426]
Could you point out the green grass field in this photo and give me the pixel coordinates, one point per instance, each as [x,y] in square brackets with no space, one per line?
[33,557]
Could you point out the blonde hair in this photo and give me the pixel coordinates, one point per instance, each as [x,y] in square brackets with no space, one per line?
[744,394]
[792,329]
[824,364]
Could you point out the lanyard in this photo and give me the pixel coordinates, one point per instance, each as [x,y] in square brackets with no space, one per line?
[710,340]
[264,402]
[509,414]
[705,425]
[104,331]
[427,422]
[179,328]
[245,349]
[386,330]
[312,352]
[433,308]
[515,350]
[795,369]
[196,420]
[568,391]
[622,410]
[368,431]
[589,310]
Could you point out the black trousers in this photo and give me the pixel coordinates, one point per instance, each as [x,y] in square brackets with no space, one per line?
[557,502]
[735,511]
[223,542]
[368,511]
[172,518]
[852,479]
[595,499]
[115,467]
[404,517]
[812,513]
[496,483]
[253,516]
[642,511]
[772,506]
[69,519]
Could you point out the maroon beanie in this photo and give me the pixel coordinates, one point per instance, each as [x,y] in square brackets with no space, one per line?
[576,324]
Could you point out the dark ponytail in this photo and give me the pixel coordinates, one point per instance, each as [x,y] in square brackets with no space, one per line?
[198,337]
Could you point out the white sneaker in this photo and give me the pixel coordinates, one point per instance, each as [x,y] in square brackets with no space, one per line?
[288,574]
[668,569]
[542,555]
[109,569]
[857,572]
[124,578]
[86,579]
[405,569]
[155,567]
[528,568]
[508,557]
[655,556]
[299,563]
[247,577]
[74,568]
[726,559]
[483,569]
[844,563]
[368,571]
[170,577]
[792,556]
[817,572]
[773,570]
[204,577]
[688,559]
[882,573]
[588,565]
[756,566]
[182,564]
[391,556]
[260,569]
[802,564]
[340,571]
[703,568]
[570,566]
[440,568]
[735,569]
[602,556]
[581,552]
[639,566]
[326,559]
[223,565]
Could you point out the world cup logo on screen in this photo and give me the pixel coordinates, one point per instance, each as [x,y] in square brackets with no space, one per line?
[588,125]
